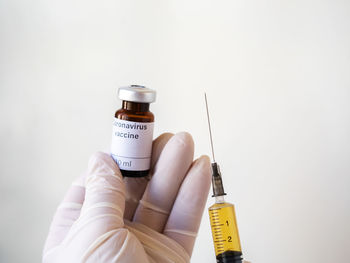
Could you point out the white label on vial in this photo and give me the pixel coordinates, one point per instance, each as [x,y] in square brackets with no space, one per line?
[131,145]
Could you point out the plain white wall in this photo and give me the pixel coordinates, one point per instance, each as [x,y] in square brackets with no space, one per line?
[277,75]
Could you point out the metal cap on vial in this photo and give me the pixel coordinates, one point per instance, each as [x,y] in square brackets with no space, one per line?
[137,93]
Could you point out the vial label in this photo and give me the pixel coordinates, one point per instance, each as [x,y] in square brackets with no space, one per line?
[131,145]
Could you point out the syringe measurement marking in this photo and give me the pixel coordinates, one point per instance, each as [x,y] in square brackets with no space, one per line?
[218,228]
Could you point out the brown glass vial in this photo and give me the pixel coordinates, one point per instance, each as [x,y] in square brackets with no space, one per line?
[132,135]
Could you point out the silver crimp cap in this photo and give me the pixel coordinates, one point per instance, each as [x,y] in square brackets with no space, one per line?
[137,93]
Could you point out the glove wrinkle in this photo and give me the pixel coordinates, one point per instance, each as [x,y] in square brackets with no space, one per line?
[70,205]
[79,225]
[182,232]
[131,250]
[152,207]
[158,247]
[102,205]
[97,243]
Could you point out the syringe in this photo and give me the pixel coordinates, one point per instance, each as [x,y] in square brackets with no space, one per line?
[222,216]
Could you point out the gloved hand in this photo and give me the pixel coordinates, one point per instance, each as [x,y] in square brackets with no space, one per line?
[107,218]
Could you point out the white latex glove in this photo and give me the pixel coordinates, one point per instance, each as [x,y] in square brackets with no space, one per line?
[105,218]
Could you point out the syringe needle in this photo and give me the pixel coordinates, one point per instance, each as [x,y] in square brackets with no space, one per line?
[218,188]
[211,137]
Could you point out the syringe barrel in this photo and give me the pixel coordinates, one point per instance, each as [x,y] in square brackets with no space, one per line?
[225,233]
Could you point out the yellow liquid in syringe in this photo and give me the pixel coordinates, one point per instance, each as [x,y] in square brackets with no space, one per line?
[224,228]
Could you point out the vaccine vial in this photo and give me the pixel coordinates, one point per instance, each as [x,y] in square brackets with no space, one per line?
[132,135]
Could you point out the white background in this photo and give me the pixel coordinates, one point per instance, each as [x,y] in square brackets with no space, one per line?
[277,75]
